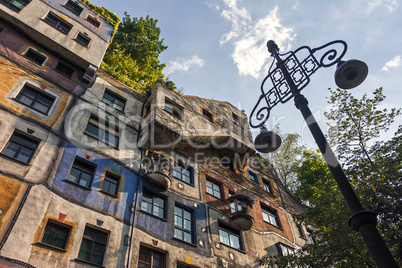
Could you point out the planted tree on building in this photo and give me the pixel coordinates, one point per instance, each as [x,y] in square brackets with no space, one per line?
[133,55]
[374,169]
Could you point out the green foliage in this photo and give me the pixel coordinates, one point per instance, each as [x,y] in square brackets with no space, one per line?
[133,55]
[374,169]
[286,159]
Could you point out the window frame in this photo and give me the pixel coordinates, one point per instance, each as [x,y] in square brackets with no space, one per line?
[83,166]
[61,69]
[222,227]
[184,167]
[58,23]
[270,212]
[213,188]
[93,21]
[82,39]
[10,4]
[235,119]
[39,94]
[253,176]
[153,204]
[59,224]
[175,110]
[266,184]
[35,53]
[73,7]
[113,102]
[181,228]
[207,115]
[289,250]
[151,257]
[103,128]
[16,138]
[111,176]
[235,206]
[94,240]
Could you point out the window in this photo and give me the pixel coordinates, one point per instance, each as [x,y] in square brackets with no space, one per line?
[151,258]
[20,147]
[300,230]
[284,250]
[64,69]
[173,108]
[229,236]
[35,56]
[153,203]
[267,186]
[56,235]
[213,189]
[253,176]
[207,115]
[32,97]
[93,245]
[182,265]
[110,184]
[16,5]
[58,23]
[73,7]
[81,172]
[226,163]
[102,131]
[270,216]
[183,173]
[236,120]
[113,100]
[310,237]
[82,39]
[236,206]
[183,221]
[93,21]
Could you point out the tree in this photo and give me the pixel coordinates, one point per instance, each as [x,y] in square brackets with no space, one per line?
[374,169]
[133,55]
[286,159]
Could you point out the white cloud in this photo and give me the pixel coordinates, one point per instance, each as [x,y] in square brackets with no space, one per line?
[183,64]
[395,62]
[249,39]
[391,5]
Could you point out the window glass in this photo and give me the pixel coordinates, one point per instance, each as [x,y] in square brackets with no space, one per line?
[110,184]
[55,235]
[213,188]
[81,172]
[151,258]
[153,203]
[82,39]
[35,56]
[20,147]
[270,216]
[183,224]
[102,131]
[235,119]
[229,236]
[93,245]
[173,109]
[183,173]
[16,5]
[93,21]
[64,69]
[116,101]
[73,7]
[35,99]
[267,186]
[253,176]
[58,23]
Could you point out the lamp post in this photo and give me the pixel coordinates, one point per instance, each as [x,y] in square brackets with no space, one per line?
[288,78]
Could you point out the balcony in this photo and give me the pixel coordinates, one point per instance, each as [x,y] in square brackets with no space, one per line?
[157,170]
[241,206]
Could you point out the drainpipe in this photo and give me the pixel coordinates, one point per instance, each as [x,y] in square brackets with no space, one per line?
[135,201]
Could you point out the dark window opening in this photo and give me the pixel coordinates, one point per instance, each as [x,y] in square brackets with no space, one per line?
[111,184]
[64,69]
[93,245]
[55,235]
[226,163]
[111,99]
[35,99]
[151,258]
[206,114]
[153,204]
[253,176]
[173,109]
[58,23]
[82,39]
[16,5]
[20,147]
[35,56]
[267,186]
[236,120]
[93,21]
[81,172]
[74,7]
[300,230]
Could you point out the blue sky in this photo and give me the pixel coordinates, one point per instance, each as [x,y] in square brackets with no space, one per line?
[217,48]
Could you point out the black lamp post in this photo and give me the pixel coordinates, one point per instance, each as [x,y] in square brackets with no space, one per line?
[288,78]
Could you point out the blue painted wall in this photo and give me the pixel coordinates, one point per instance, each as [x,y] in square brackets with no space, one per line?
[118,207]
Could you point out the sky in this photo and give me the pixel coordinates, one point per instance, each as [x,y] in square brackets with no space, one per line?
[217,48]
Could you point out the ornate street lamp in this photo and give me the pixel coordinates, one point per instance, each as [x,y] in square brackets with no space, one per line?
[287,79]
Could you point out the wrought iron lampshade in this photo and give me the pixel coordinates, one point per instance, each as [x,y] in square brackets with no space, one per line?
[267,141]
[350,74]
